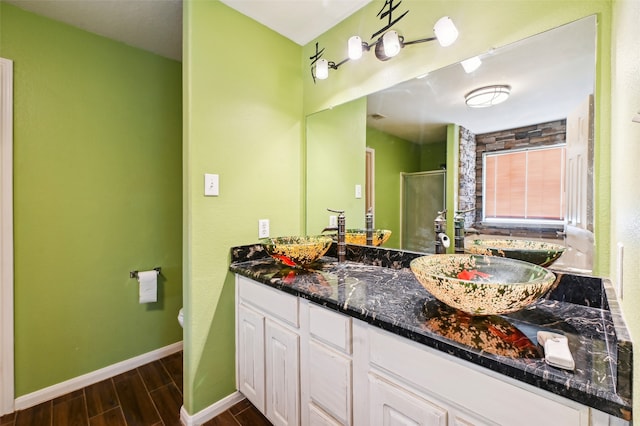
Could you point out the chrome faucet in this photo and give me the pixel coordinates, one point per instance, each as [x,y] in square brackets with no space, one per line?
[341,228]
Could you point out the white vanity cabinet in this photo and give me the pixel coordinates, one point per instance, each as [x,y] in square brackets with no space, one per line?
[267,355]
[301,363]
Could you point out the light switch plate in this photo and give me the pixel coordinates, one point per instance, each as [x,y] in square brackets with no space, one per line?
[333,221]
[358,191]
[263,228]
[211,185]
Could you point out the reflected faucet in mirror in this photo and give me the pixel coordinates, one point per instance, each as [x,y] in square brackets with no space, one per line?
[369,226]
[440,228]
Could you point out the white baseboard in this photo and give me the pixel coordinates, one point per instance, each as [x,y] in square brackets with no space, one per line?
[211,411]
[88,379]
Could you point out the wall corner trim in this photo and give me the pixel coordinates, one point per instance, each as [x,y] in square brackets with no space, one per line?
[6,238]
[88,379]
[211,411]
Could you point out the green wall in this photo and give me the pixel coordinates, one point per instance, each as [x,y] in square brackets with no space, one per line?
[335,164]
[392,157]
[433,156]
[243,120]
[625,138]
[97,190]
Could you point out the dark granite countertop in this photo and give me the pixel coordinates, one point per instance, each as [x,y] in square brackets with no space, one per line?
[376,286]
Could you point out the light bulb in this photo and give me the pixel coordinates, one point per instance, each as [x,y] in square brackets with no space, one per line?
[322,69]
[445,31]
[355,47]
[391,43]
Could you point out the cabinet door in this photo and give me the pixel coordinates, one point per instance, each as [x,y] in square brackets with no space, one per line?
[251,356]
[391,405]
[283,390]
[317,417]
[330,382]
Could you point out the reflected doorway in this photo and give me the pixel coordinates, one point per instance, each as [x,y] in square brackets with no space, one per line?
[370,185]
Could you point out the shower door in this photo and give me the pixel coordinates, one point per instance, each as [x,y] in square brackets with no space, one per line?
[423,195]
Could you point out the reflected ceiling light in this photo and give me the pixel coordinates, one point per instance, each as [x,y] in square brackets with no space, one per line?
[487,96]
[471,64]
[445,31]
[389,45]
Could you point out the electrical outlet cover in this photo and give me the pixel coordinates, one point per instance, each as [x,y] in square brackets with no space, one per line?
[263,228]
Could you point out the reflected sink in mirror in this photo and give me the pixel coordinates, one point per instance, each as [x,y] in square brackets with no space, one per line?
[537,252]
[359,236]
[297,252]
[482,285]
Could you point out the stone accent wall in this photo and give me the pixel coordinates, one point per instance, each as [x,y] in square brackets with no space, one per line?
[536,135]
[467,176]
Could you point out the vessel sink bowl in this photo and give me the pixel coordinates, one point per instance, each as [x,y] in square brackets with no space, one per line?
[482,285]
[537,252]
[359,236]
[297,252]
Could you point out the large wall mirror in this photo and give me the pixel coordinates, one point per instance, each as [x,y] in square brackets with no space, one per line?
[522,168]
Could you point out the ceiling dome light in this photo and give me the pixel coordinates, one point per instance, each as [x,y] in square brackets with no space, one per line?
[487,96]
[322,69]
[445,31]
[355,48]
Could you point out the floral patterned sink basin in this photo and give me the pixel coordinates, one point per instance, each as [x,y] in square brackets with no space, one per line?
[297,252]
[359,236]
[482,285]
[537,252]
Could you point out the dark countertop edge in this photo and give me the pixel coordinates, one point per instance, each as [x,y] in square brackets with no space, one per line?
[623,345]
[618,406]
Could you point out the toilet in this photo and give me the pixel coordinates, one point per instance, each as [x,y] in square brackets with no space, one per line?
[181,318]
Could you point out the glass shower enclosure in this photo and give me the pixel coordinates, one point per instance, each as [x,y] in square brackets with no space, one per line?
[423,196]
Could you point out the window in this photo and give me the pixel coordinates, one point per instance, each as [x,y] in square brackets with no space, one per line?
[525,185]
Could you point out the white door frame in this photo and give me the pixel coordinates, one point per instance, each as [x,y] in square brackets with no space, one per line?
[6,237]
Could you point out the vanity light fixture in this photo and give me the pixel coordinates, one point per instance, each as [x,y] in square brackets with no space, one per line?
[487,96]
[322,69]
[390,43]
[471,64]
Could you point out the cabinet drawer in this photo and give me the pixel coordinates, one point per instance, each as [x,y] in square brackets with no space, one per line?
[271,301]
[330,327]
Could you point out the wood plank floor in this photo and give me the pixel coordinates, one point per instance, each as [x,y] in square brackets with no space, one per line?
[150,395]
